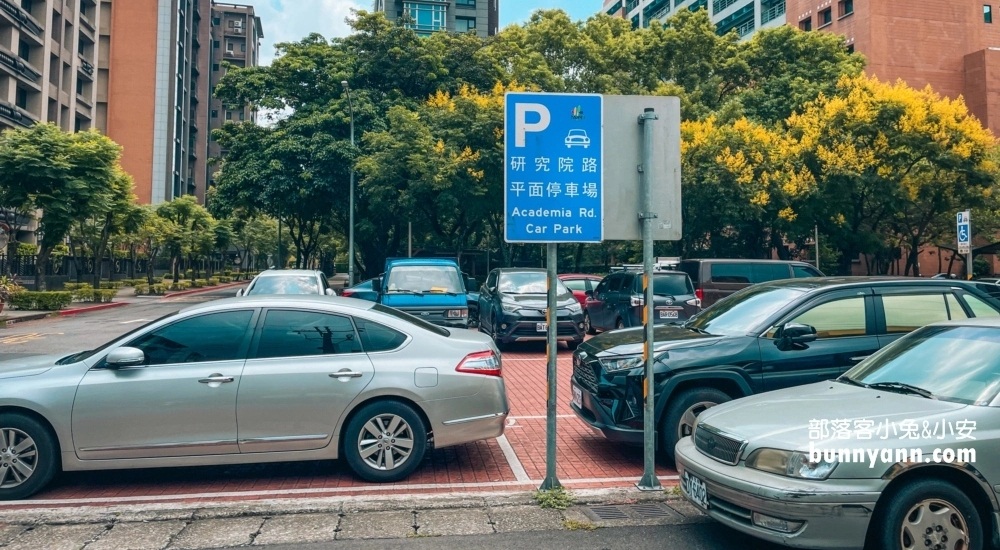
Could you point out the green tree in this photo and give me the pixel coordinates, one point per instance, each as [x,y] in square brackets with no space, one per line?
[192,227]
[65,176]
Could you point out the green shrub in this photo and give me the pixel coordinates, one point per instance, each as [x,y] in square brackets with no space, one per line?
[224,279]
[105,296]
[179,285]
[75,286]
[44,301]
[84,294]
[199,283]
[212,281]
[112,284]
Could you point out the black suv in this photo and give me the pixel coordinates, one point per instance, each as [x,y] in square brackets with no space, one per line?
[765,337]
[618,300]
[512,305]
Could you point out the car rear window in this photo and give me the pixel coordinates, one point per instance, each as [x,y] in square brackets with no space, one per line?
[672,284]
[732,273]
[770,272]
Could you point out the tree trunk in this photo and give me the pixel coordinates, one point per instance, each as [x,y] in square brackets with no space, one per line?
[41,267]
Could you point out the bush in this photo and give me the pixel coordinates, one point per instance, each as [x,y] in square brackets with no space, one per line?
[105,296]
[44,301]
[179,285]
[112,284]
[212,281]
[84,294]
[199,283]
[142,289]
[72,287]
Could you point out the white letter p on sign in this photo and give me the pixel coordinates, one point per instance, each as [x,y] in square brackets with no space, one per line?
[521,126]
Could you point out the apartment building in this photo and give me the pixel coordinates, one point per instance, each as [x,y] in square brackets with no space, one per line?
[428,16]
[49,52]
[236,39]
[745,16]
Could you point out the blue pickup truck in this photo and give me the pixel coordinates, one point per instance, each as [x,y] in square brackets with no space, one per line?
[434,289]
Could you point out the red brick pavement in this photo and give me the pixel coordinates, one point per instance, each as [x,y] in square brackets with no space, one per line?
[584,460]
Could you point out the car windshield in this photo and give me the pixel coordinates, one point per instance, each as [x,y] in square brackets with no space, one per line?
[424,278]
[285,284]
[80,356]
[953,363]
[528,282]
[669,285]
[739,313]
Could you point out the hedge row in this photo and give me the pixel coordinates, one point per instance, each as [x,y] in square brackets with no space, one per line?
[43,301]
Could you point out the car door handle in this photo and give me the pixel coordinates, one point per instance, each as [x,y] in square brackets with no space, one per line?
[346,374]
[860,358]
[217,378]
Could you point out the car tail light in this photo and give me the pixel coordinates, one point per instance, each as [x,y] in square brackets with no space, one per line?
[696,302]
[700,294]
[481,362]
[346,292]
[636,301]
[456,313]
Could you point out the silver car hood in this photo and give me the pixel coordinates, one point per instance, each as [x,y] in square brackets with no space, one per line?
[28,366]
[782,419]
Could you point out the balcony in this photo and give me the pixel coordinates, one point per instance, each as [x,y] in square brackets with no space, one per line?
[20,67]
[236,31]
[13,114]
[772,13]
[21,17]
[86,66]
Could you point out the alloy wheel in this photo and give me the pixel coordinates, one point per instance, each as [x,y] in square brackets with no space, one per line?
[686,425]
[18,457]
[936,524]
[385,442]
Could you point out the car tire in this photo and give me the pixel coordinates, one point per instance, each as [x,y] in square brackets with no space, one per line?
[923,511]
[619,324]
[474,317]
[681,412]
[495,334]
[364,441]
[29,456]
[588,327]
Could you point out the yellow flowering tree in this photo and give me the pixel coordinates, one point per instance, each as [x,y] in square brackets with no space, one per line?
[889,160]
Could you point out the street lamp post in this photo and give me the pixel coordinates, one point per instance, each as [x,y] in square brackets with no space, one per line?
[350,215]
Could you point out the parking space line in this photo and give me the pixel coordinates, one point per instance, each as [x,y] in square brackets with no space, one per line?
[317,491]
[515,465]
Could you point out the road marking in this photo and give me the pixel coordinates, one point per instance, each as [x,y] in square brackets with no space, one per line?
[319,490]
[512,460]
[132,321]
[542,417]
[21,338]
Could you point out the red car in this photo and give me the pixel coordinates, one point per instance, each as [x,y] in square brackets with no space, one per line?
[580,283]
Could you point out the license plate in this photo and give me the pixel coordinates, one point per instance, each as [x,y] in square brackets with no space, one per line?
[577,396]
[694,489]
[668,314]
[541,327]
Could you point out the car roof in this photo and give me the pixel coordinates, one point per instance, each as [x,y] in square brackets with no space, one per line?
[580,276]
[278,272]
[278,300]
[810,283]
[522,270]
[972,321]
[746,261]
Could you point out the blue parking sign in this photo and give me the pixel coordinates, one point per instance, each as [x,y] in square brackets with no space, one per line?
[553,168]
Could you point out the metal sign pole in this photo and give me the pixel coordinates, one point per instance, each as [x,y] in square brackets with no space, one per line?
[551,317]
[968,257]
[649,482]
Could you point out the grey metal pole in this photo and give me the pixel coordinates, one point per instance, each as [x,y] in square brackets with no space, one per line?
[350,215]
[816,242]
[968,257]
[649,482]
[551,317]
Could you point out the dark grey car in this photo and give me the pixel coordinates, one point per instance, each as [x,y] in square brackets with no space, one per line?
[618,300]
[513,303]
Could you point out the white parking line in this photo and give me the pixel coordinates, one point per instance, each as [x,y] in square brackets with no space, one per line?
[318,490]
[512,460]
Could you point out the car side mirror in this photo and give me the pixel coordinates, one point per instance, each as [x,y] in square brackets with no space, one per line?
[377,284]
[239,292]
[125,357]
[794,335]
[330,292]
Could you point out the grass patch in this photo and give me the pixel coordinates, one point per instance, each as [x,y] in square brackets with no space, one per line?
[674,491]
[557,498]
[577,525]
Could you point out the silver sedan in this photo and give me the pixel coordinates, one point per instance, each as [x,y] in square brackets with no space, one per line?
[252,379]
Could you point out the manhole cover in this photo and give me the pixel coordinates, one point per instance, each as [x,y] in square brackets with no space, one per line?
[647,510]
[652,510]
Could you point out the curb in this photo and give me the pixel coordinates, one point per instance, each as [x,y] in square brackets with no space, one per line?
[7,321]
[98,307]
[204,289]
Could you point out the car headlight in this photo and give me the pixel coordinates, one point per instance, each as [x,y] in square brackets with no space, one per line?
[625,362]
[510,308]
[790,463]
[575,308]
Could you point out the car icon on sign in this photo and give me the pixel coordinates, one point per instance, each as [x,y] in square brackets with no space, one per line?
[577,138]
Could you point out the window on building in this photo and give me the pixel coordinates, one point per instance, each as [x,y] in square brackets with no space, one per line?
[21,98]
[242,115]
[215,113]
[465,3]
[232,23]
[79,86]
[215,66]
[215,44]
[24,50]
[230,46]
[826,17]
[987,13]
[806,24]
[243,47]
[26,5]
[229,115]
[850,48]
[465,24]
[425,18]
[216,21]
[846,7]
